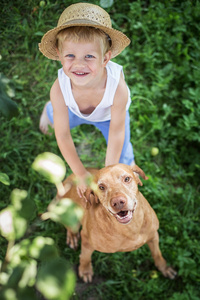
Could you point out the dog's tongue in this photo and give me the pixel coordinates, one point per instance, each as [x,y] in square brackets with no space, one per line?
[124,217]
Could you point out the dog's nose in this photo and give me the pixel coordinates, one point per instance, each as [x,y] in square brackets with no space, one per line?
[118,202]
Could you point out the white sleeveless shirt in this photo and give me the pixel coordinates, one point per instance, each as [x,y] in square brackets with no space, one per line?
[103,110]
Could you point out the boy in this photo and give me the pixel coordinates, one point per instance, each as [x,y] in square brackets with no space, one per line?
[90,89]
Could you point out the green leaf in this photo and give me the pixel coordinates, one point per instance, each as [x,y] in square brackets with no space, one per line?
[19,252]
[55,280]
[4,179]
[15,276]
[13,219]
[106,3]
[51,166]
[6,223]
[39,33]
[21,281]
[20,226]
[66,212]
[29,274]
[24,207]
[17,197]
[8,294]
[43,248]
[8,107]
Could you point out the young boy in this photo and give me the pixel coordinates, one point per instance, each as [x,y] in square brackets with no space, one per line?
[90,89]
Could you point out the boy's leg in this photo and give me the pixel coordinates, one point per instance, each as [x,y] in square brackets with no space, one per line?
[46,118]
[127,156]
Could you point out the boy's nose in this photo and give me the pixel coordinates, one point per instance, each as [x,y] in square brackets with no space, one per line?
[79,62]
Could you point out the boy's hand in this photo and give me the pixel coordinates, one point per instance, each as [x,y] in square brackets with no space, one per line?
[82,185]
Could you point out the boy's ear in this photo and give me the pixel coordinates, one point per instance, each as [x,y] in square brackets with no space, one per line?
[107,57]
[58,52]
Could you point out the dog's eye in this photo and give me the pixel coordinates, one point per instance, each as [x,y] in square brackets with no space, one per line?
[101,187]
[127,179]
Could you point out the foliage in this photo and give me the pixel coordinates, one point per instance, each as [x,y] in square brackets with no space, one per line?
[162,69]
[163,73]
[7,106]
[35,263]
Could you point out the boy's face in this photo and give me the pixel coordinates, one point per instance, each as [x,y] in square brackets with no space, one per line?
[83,62]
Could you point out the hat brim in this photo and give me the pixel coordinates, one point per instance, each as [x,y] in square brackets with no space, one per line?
[48,43]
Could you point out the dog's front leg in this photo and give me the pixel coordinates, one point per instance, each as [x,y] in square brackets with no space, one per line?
[160,262]
[72,239]
[85,267]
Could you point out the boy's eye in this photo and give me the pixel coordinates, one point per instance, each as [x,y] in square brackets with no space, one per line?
[70,55]
[89,56]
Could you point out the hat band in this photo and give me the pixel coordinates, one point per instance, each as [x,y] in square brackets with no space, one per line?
[82,21]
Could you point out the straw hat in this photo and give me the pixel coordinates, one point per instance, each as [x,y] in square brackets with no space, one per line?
[83,14]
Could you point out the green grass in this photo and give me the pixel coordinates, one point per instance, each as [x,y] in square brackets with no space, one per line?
[162,69]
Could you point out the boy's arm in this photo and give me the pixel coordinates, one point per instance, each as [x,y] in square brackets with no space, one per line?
[117,124]
[63,136]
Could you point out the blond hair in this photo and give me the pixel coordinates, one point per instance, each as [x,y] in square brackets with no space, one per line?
[83,34]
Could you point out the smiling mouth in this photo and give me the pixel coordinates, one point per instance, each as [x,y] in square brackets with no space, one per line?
[124,216]
[80,73]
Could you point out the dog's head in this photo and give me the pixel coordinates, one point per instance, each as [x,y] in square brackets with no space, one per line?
[116,188]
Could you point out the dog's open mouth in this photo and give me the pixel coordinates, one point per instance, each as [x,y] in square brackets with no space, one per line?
[125,216]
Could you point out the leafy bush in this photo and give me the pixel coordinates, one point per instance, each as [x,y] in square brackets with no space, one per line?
[163,73]
[34,264]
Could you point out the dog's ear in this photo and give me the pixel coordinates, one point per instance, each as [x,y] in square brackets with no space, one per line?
[91,197]
[139,172]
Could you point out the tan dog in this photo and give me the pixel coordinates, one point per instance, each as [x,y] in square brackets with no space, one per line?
[121,220]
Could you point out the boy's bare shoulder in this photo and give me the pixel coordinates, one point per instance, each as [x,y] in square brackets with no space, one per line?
[55,92]
[122,83]
[57,98]
[55,87]
[121,95]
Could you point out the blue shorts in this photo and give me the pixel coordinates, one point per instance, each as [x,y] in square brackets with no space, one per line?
[127,156]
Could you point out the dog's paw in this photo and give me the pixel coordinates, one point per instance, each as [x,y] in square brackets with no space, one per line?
[72,239]
[86,275]
[169,273]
